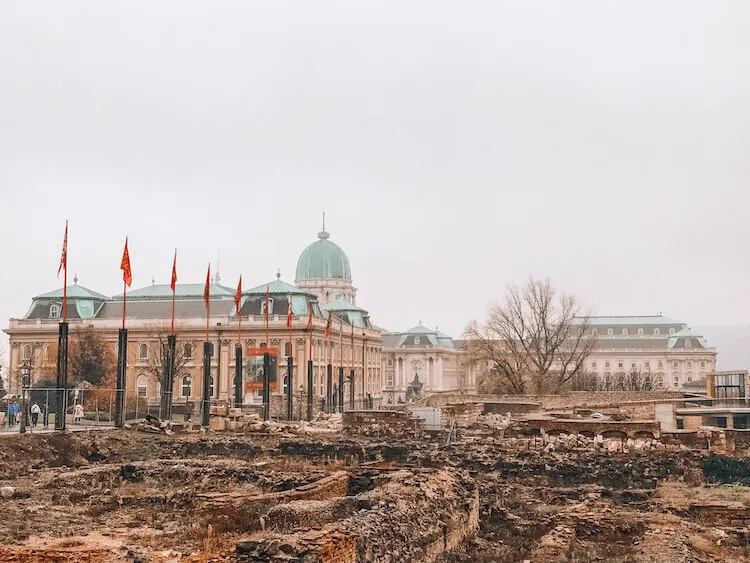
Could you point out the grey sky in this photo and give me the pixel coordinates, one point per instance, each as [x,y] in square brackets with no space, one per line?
[456,148]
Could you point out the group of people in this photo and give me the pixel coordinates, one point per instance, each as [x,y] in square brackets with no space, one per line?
[13,413]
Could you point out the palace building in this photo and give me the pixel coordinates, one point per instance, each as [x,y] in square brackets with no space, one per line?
[323,285]
[388,365]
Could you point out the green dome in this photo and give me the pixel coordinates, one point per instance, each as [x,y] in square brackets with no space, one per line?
[323,259]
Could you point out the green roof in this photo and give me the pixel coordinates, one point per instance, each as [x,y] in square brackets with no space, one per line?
[323,259]
[339,304]
[74,292]
[421,329]
[274,287]
[631,321]
[182,290]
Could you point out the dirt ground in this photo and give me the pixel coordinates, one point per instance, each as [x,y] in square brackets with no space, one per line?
[131,496]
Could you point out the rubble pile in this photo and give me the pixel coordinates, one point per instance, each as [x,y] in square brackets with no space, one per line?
[367,486]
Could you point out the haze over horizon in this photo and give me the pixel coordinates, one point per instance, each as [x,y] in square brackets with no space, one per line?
[454,151]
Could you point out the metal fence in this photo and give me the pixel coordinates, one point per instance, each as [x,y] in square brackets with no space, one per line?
[94,408]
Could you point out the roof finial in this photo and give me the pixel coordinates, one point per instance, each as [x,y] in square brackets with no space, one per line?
[218,277]
[153,280]
[75,279]
[278,274]
[324,220]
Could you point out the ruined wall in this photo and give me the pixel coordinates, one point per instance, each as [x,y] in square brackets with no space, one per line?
[569,400]
[464,414]
[387,420]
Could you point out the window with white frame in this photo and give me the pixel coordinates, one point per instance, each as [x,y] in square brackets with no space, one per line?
[688,343]
[640,332]
[657,332]
[624,331]
[187,386]
[671,332]
[141,385]
[417,340]
[610,332]
[54,311]
[389,380]
[270,306]
[594,331]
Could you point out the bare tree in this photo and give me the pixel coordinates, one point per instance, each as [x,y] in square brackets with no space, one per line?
[157,356]
[4,368]
[90,359]
[533,341]
[635,380]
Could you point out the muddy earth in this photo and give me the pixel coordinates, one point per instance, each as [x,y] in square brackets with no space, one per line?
[282,496]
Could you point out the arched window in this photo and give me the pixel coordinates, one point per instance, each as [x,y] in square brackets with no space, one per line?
[187,386]
[143,352]
[657,332]
[262,345]
[594,332]
[624,331]
[288,349]
[26,352]
[187,350]
[141,385]
[610,332]
[640,332]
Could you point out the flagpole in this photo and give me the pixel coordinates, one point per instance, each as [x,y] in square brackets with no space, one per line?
[172,283]
[65,276]
[124,301]
[267,344]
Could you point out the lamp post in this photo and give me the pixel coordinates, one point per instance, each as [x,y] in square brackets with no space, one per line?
[25,380]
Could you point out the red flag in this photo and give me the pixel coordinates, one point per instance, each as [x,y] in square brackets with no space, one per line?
[309,316]
[238,297]
[207,288]
[289,313]
[174,272]
[328,325]
[64,257]
[127,274]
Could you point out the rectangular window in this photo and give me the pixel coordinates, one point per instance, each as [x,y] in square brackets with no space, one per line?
[675,364]
[593,365]
[619,365]
[606,364]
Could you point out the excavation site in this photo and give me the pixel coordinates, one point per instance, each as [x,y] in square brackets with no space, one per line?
[380,485]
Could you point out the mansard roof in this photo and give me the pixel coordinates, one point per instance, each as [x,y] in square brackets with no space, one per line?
[182,291]
[75,291]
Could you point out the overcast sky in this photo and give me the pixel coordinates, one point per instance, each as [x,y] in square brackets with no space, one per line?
[456,147]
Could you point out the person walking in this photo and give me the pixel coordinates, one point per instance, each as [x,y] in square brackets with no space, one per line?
[35,412]
[12,412]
